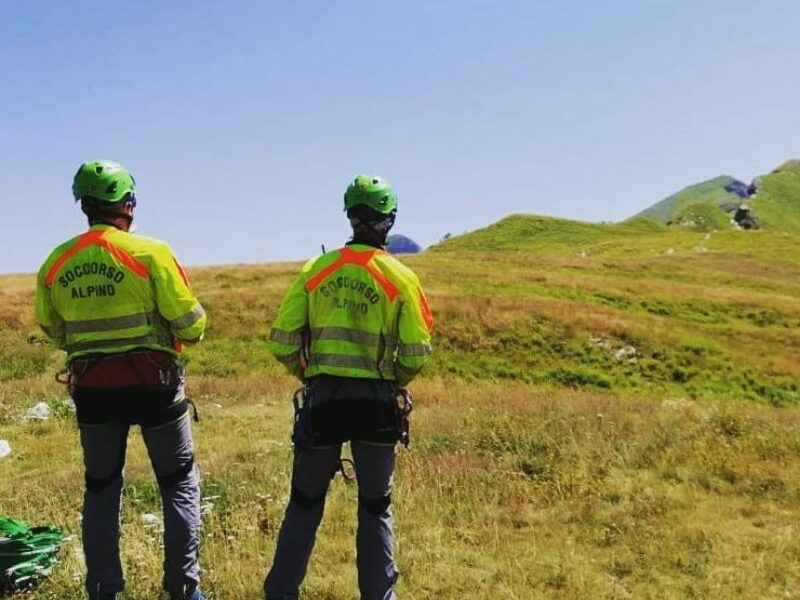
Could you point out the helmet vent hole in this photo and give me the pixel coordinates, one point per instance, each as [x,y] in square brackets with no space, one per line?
[98,169]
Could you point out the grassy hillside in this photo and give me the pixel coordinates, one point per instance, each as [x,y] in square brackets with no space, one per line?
[611,413]
[710,192]
[632,307]
[702,217]
[549,235]
[775,203]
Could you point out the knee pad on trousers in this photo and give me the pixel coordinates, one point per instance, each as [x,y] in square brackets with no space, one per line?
[376,506]
[170,480]
[305,502]
[98,484]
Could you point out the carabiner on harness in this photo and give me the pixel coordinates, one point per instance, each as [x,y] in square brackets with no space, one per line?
[64,376]
[195,413]
[405,404]
[302,435]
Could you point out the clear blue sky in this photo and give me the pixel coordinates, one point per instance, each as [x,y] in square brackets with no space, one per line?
[244,121]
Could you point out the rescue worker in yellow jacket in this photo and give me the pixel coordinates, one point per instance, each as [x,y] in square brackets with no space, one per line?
[355,327]
[120,305]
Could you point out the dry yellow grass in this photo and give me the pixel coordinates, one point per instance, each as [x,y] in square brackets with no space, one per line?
[507,490]
[551,488]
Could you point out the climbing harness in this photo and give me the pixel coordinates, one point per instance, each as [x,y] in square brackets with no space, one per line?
[145,369]
[304,436]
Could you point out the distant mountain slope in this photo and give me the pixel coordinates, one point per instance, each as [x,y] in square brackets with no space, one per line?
[535,232]
[401,244]
[720,191]
[770,202]
[636,238]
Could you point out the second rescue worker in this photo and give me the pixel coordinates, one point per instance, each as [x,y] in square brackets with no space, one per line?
[355,328]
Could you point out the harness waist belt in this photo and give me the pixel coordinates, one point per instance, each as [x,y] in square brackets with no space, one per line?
[153,370]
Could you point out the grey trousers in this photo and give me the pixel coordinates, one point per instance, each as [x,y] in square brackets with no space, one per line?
[171,453]
[311,475]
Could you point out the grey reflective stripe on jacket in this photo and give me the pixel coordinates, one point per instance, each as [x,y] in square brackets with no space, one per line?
[286,337]
[292,358]
[111,323]
[414,349]
[385,367]
[345,334]
[188,319]
[55,331]
[161,340]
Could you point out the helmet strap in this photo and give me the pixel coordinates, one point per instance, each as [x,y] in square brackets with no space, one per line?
[372,233]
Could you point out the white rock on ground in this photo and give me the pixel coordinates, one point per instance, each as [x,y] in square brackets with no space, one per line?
[38,412]
[5,449]
[151,519]
[626,352]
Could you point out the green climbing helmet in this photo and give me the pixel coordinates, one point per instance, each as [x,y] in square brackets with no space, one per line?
[103,180]
[372,191]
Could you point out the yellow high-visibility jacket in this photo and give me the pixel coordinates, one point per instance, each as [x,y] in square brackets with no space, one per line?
[108,291]
[354,312]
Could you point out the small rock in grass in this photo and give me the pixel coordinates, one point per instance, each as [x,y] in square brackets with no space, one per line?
[626,352]
[151,519]
[38,412]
